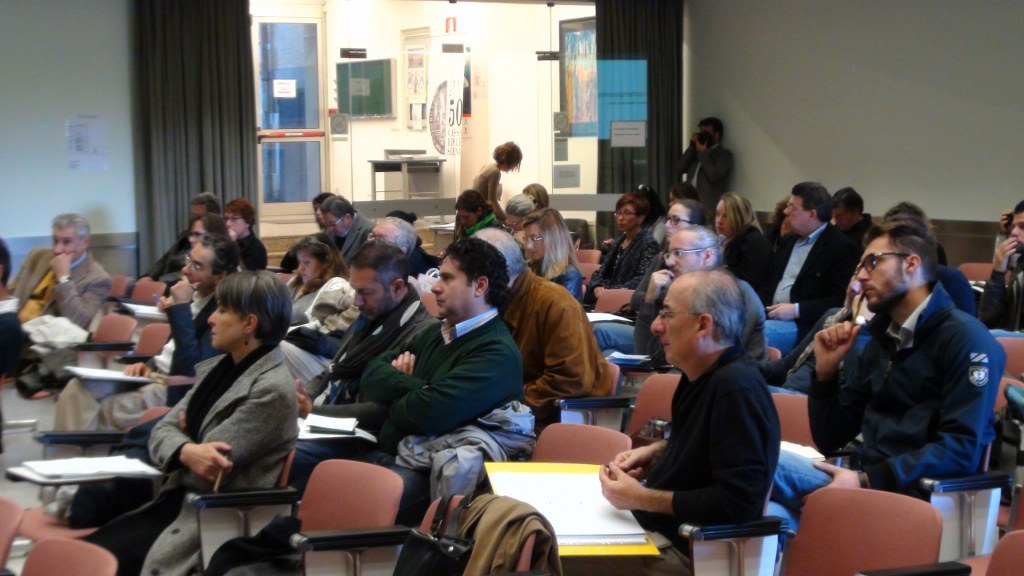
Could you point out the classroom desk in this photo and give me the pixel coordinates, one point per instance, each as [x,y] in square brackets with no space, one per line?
[420,177]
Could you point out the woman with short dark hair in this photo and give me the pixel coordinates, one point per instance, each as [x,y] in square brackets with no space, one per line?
[631,253]
[240,217]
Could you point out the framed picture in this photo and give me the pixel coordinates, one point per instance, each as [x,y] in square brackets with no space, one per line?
[577,41]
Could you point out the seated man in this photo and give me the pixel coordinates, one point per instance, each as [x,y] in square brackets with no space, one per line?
[922,393]
[390,314]
[167,268]
[1000,307]
[396,231]
[693,248]
[848,215]
[290,261]
[63,282]
[98,406]
[560,354]
[809,270]
[717,466]
[348,228]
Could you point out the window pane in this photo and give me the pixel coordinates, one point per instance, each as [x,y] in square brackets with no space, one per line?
[291,171]
[289,91]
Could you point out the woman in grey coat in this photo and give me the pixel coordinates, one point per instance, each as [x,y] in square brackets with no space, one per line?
[231,432]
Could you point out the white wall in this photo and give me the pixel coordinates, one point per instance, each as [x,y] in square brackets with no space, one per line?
[916,100]
[61,59]
[518,92]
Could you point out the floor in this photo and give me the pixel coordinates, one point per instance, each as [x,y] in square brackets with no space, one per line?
[18,446]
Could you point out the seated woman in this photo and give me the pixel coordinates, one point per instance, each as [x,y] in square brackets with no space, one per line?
[747,252]
[655,219]
[240,217]
[472,213]
[631,254]
[550,252]
[318,263]
[231,432]
[518,208]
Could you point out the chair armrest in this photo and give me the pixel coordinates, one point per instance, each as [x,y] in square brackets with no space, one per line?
[767,526]
[350,539]
[595,402]
[984,481]
[269,497]
[181,380]
[940,569]
[132,358]
[104,347]
[85,438]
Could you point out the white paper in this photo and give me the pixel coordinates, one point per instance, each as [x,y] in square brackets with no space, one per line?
[606,317]
[345,425]
[86,143]
[574,505]
[305,434]
[629,134]
[103,374]
[105,466]
[143,311]
[801,450]
[284,88]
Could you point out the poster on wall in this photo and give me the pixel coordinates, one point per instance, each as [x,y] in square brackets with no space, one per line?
[416,86]
[578,74]
[86,143]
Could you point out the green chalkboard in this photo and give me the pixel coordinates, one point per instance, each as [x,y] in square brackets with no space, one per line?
[365,88]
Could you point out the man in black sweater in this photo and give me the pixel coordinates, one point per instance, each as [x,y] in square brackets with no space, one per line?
[718,464]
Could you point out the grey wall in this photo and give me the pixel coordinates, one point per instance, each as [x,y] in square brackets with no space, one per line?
[902,99]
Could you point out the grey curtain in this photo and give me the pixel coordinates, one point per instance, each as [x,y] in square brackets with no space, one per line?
[196,112]
[650,30]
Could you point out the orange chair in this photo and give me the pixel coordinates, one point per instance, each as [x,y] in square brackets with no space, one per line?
[10,518]
[654,401]
[579,444]
[1008,558]
[119,285]
[1014,348]
[151,342]
[976,271]
[844,531]
[612,300]
[146,289]
[587,270]
[113,336]
[588,256]
[794,418]
[69,558]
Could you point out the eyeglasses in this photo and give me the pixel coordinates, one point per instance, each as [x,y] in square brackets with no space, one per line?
[190,263]
[676,220]
[871,260]
[680,252]
[535,238]
[512,223]
[665,314]
[623,213]
[793,207]
[197,234]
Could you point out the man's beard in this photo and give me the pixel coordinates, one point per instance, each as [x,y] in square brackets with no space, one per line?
[887,303]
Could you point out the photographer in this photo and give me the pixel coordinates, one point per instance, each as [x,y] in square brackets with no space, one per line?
[706,164]
[1000,306]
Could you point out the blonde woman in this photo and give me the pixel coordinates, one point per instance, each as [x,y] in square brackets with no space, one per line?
[550,251]
[747,252]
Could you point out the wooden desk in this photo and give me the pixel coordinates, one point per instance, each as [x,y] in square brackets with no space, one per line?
[420,177]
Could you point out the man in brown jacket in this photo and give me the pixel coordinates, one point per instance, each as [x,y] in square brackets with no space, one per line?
[560,354]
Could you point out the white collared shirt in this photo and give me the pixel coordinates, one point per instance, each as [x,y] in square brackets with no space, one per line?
[451,333]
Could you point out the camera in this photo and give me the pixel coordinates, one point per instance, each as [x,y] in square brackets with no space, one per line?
[705,138]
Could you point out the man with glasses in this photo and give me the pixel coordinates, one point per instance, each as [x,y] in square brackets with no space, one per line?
[921,394]
[809,271]
[691,248]
[348,227]
[97,406]
[199,204]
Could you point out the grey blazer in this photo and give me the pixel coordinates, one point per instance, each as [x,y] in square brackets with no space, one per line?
[78,300]
[257,417]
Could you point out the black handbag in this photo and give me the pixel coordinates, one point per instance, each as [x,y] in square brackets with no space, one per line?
[436,553]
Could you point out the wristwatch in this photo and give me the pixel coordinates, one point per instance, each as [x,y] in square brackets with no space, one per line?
[63,279]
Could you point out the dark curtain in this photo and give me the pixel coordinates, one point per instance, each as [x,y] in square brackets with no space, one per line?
[650,30]
[196,112]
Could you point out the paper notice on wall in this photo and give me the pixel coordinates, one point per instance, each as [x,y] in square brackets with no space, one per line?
[87,143]
[284,88]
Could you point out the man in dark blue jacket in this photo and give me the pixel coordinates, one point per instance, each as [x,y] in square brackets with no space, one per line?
[923,391]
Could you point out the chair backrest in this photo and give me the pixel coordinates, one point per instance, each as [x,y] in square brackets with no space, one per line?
[115,328]
[10,518]
[845,531]
[429,301]
[580,230]
[794,419]
[146,288]
[587,269]
[1008,557]
[588,256]
[344,494]
[1014,348]
[616,372]
[69,558]
[579,444]
[612,299]
[286,469]
[653,401]
[152,338]
[976,271]
[774,354]
[119,285]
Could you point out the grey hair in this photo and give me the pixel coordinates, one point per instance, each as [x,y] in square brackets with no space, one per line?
[262,294]
[715,292]
[70,219]
[520,205]
[706,238]
[405,235]
[509,248]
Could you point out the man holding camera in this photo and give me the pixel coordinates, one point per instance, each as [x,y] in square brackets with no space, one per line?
[1000,306]
[707,164]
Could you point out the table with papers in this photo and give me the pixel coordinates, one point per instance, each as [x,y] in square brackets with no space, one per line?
[63,471]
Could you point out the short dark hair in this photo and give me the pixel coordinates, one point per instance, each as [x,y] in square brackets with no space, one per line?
[320,198]
[262,294]
[656,206]
[409,217]
[1019,207]
[472,201]
[715,125]
[207,200]
[5,262]
[386,260]
[243,208]
[225,253]
[338,206]
[696,211]
[679,191]
[476,258]
[639,202]
[815,197]
[213,223]
[848,199]
[910,234]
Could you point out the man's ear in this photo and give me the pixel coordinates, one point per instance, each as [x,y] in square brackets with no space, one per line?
[912,262]
[705,326]
[397,285]
[480,285]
